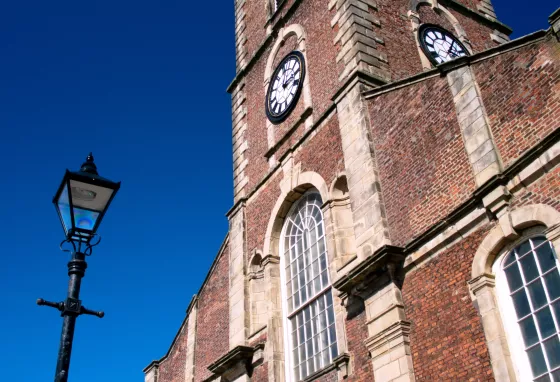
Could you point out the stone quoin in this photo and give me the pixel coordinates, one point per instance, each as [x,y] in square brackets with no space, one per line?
[399,219]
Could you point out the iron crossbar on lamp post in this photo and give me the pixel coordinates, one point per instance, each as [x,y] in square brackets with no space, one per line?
[81,201]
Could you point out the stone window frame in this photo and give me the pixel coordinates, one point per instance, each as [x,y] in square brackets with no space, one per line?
[505,304]
[288,345]
[292,187]
[283,34]
[415,22]
[509,230]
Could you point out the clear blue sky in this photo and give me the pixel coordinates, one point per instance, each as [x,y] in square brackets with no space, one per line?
[142,85]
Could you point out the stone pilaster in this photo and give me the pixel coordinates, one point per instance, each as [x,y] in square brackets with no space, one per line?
[389,341]
[191,340]
[370,223]
[358,38]
[473,121]
[554,21]
[239,126]
[274,351]
[487,9]
[240,35]
[238,309]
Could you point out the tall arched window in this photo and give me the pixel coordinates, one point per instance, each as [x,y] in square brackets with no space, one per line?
[310,334]
[528,283]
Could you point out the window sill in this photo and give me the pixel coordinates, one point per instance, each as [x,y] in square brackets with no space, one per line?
[340,363]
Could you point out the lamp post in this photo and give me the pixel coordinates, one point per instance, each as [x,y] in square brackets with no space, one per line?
[81,201]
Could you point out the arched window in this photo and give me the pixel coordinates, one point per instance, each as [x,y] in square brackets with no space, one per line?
[310,335]
[528,283]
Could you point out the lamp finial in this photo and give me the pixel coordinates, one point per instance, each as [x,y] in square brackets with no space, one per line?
[88,166]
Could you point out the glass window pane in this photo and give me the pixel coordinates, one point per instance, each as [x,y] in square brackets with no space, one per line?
[521,303]
[529,268]
[509,259]
[556,376]
[528,331]
[536,360]
[552,281]
[544,378]
[552,347]
[513,277]
[556,309]
[536,291]
[545,322]
[546,257]
[523,248]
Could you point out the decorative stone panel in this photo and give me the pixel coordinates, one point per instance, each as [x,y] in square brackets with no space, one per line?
[240,146]
[191,340]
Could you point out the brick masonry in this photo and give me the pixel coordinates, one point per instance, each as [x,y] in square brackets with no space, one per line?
[402,154]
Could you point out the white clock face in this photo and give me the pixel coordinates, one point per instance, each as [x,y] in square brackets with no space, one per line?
[440,45]
[285,87]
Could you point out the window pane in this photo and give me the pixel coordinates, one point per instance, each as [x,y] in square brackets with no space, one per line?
[513,277]
[521,303]
[546,257]
[509,259]
[536,360]
[544,378]
[552,347]
[529,331]
[556,309]
[552,281]
[529,268]
[536,291]
[523,248]
[556,376]
[545,322]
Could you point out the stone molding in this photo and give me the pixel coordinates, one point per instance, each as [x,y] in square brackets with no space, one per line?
[151,372]
[554,21]
[191,339]
[482,284]
[340,363]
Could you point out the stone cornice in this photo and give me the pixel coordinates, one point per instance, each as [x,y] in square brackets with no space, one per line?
[238,355]
[384,256]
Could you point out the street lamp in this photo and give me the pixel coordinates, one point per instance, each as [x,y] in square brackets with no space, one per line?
[81,201]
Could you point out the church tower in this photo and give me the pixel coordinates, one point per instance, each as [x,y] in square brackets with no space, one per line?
[389,156]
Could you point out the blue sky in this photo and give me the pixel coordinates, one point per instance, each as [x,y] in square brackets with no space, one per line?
[142,85]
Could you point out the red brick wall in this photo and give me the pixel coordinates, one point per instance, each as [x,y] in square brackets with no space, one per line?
[400,44]
[546,190]
[322,153]
[521,93]
[356,334]
[172,368]
[447,340]
[255,19]
[428,15]
[212,321]
[423,167]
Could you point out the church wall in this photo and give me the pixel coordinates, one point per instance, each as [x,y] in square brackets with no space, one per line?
[399,38]
[447,340]
[255,19]
[521,115]
[356,332]
[212,325]
[478,34]
[172,368]
[423,167]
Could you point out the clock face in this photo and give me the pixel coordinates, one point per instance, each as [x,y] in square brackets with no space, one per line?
[285,87]
[440,45]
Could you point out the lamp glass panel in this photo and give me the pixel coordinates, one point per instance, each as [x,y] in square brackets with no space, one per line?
[85,219]
[89,196]
[64,209]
